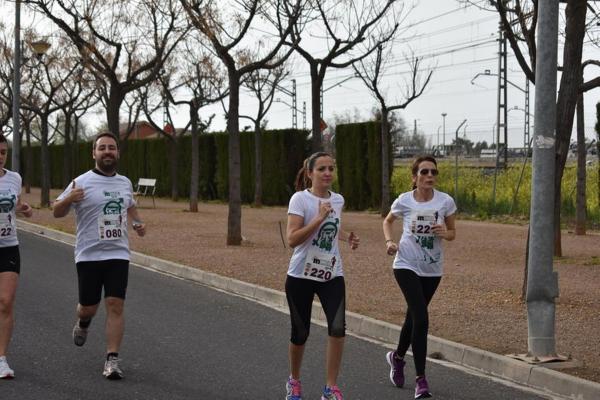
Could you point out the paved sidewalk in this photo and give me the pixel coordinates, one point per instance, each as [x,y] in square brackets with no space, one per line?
[540,378]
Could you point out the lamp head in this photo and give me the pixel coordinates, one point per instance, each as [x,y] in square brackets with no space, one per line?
[40,47]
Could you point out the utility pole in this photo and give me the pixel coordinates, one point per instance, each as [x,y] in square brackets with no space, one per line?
[527,124]
[444,133]
[304,115]
[294,106]
[16,136]
[502,111]
[456,161]
[542,280]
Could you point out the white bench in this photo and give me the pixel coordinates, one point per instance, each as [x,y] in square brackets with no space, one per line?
[145,187]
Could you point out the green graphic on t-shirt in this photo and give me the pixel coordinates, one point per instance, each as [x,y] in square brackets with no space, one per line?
[327,234]
[7,202]
[426,242]
[113,207]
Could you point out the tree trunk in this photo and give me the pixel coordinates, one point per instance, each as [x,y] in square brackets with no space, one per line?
[567,100]
[385,163]
[75,163]
[581,212]
[67,153]
[28,159]
[316,82]
[234,218]
[45,163]
[115,100]
[257,164]
[195,176]
[173,165]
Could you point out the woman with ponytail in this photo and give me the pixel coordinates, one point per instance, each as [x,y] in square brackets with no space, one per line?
[313,230]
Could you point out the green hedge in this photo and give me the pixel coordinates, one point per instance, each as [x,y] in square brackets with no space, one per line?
[358,158]
[283,153]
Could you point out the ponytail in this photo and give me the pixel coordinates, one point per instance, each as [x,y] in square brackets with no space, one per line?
[302,180]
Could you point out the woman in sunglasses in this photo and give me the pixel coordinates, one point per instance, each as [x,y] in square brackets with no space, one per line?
[428,216]
[313,230]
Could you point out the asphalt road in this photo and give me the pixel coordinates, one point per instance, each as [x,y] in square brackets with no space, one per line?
[187,341]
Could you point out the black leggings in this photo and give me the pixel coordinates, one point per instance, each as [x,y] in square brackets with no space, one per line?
[418,292]
[300,294]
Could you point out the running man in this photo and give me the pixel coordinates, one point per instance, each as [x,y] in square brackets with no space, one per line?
[103,203]
[10,260]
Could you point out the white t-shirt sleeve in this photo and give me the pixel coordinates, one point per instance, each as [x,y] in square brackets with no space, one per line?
[398,208]
[450,206]
[65,193]
[132,201]
[296,206]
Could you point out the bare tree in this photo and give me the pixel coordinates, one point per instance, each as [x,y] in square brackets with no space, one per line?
[519,21]
[156,99]
[199,77]
[352,29]
[372,73]
[262,84]
[125,43]
[44,80]
[226,34]
[74,98]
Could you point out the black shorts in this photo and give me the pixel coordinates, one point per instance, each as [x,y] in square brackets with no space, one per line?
[112,275]
[300,294]
[10,259]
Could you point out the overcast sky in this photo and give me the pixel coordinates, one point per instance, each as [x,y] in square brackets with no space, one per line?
[458,42]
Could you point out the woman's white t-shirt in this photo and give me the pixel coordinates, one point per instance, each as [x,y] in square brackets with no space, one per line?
[10,190]
[318,258]
[419,250]
[102,216]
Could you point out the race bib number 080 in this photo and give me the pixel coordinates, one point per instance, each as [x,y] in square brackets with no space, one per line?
[110,227]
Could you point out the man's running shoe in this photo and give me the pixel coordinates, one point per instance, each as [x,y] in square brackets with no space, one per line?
[5,371]
[396,369]
[79,334]
[422,388]
[332,393]
[294,389]
[111,368]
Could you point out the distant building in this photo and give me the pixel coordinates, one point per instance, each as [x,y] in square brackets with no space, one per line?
[141,130]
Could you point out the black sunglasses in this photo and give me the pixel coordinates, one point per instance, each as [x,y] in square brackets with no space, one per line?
[426,171]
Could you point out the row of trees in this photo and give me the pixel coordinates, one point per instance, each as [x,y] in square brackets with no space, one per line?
[137,57]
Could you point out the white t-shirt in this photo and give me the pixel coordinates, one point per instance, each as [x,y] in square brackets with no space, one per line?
[102,216]
[10,190]
[318,258]
[419,250]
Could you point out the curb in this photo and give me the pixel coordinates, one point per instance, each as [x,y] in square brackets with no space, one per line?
[540,378]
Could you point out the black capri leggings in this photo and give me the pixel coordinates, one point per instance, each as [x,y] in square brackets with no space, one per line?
[300,294]
[418,292]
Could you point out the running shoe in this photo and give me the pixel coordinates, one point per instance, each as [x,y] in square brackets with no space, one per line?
[332,393]
[79,334]
[422,388]
[112,370]
[396,369]
[294,389]
[5,371]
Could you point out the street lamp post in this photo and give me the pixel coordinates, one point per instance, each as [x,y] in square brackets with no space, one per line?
[16,136]
[444,133]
